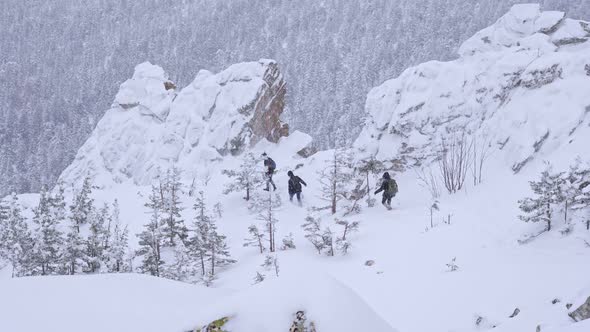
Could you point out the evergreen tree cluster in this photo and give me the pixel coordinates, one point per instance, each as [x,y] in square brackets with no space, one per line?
[345,184]
[62,239]
[84,238]
[168,248]
[559,196]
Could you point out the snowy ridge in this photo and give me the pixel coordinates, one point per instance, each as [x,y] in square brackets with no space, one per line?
[522,81]
[151,125]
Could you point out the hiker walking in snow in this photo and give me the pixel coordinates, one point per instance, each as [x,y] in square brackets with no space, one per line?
[389,189]
[270,170]
[295,186]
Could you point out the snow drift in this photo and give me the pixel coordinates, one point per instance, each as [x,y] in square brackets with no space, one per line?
[522,81]
[329,304]
[151,125]
[115,302]
[133,302]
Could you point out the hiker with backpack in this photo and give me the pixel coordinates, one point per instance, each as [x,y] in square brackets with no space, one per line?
[270,170]
[295,186]
[389,189]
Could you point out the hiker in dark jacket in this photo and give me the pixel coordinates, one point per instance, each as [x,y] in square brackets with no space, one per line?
[389,189]
[295,186]
[270,170]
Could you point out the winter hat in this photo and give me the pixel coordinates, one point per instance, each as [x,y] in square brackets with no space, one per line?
[289,173]
[386,175]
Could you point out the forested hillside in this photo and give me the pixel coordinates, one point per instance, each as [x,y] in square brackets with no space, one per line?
[62,61]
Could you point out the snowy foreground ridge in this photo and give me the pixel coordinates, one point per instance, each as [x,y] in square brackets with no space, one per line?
[519,91]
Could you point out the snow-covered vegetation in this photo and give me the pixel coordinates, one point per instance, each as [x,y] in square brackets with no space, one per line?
[488,227]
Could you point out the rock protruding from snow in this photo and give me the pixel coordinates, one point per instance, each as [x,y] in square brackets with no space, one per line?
[151,125]
[582,312]
[521,22]
[519,85]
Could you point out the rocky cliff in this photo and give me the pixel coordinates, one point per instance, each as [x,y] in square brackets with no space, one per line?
[520,84]
[152,125]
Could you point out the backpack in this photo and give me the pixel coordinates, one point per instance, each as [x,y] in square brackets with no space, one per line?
[391,187]
[271,164]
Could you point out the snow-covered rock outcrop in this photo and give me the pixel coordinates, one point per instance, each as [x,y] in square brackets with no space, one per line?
[524,81]
[151,125]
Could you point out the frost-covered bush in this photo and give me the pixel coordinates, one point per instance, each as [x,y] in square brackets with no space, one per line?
[559,193]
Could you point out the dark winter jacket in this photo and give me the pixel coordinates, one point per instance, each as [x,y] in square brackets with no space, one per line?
[295,184]
[388,186]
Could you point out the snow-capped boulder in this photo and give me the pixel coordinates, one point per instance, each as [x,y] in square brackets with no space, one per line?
[520,83]
[522,21]
[151,125]
[146,92]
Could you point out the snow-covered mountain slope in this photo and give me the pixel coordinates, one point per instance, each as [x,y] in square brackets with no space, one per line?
[408,284]
[151,125]
[522,82]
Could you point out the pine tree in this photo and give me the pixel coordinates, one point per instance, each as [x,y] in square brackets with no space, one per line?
[218,210]
[582,200]
[83,205]
[370,167]
[271,262]
[182,267]
[245,178]
[4,212]
[112,219]
[118,243]
[266,205]
[288,242]
[150,240]
[548,192]
[576,195]
[256,238]
[72,254]
[335,178]
[48,239]
[173,229]
[199,242]
[58,203]
[95,243]
[17,240]
[342,243]
[328,238]
[219,255]
[207,245]
[312,229]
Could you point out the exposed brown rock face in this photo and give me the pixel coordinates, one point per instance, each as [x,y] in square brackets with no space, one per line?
[169,85]
[266,122]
